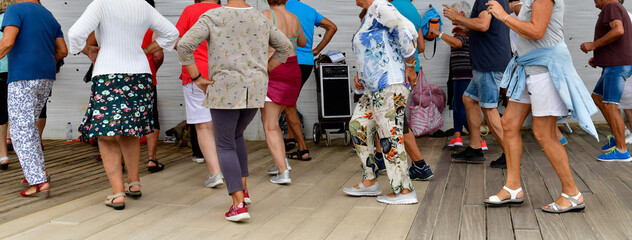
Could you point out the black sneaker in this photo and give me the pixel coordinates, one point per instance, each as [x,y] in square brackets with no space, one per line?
[420,173]
[470,155]
[501,162]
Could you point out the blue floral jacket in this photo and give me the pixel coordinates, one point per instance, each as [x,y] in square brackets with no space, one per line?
[382,44]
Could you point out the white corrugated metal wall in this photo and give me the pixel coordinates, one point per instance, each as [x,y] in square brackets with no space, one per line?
[70,94]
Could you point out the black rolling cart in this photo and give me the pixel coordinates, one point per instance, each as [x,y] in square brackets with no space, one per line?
[335,99]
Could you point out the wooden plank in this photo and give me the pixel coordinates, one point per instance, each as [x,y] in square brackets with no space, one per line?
[356,224]
[424,223]
[499,223]
[394,222]
[600,220]
[473,222]
[450,210]
[475,185]
[617,210]
[577,226]
[522,234]
[551,226]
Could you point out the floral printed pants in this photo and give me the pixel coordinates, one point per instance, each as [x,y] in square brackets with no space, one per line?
[382,113]
[25,102]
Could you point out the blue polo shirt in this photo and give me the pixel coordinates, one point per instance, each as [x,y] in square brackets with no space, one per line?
[406,8]
[309,18]
[33,54]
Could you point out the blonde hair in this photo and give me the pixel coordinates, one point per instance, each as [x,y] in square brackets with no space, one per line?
[4,4]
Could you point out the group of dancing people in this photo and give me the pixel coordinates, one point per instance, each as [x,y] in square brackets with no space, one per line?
[237,60]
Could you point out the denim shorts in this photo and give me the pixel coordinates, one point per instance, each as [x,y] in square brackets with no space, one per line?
[484,88]
[612,82]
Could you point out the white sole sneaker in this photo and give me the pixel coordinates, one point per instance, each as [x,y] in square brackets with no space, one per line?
[283,178]
[371,191]
[275,170]
[198,160]
[214,181]
[239,217]
[247,200]
[455,144]
[399,199]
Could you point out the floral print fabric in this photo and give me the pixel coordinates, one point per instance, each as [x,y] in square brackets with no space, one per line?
[238,40]
[382,113]
[120,104]
[25,101]
[382,44]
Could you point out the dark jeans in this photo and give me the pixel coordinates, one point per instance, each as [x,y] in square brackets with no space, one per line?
[229,126]
[458,109]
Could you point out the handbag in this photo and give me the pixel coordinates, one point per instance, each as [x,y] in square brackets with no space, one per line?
[425,119]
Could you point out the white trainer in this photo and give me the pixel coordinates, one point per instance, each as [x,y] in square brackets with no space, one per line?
[399,199]
[283,178]
[214,181]
[275,170]
[198,160]
[370,191]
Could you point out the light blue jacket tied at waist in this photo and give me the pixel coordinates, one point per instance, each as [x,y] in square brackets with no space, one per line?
[565,79]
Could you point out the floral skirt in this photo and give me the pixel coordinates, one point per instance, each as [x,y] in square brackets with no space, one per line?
[120,104]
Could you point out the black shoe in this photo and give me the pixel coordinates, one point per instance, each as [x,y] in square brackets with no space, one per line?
[501,162]
[470,155]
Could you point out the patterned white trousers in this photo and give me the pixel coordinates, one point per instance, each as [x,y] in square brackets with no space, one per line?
[25,101]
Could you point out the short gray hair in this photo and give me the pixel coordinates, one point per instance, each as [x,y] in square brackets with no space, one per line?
[463,6]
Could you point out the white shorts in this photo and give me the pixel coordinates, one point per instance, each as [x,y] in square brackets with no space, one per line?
[193,98]
[544,99]
[626,97]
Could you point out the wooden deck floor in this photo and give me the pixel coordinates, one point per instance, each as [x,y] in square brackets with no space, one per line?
[452,207]
[176,205]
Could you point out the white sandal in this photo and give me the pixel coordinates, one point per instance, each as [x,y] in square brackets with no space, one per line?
[495,200]
[575,206]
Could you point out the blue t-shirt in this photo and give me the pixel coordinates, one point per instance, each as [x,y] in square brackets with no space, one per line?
[309,18]
[33,54]
[406,8]
[4,63]
[490,51]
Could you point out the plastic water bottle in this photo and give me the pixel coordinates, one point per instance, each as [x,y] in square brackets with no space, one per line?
[69,132]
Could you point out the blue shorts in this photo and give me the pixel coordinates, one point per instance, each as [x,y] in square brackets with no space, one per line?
[484,88]
[610,85]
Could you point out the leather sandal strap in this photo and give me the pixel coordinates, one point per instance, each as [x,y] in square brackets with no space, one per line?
[513,193]
[112,197]
[574,200]
[130,185]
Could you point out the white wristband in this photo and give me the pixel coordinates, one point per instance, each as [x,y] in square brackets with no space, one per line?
[440,35]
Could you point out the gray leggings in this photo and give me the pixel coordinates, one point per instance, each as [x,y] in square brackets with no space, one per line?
[229,126]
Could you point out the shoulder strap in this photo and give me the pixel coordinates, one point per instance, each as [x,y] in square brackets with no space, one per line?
[298,30]
[273,17]
[434,50]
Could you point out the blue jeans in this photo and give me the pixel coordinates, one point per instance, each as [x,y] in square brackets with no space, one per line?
[484,88]
[610,85]
[458,109]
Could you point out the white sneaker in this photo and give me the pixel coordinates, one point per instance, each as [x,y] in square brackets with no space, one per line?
[275,170]
[214,181]
[283,178]
[399,199]
[198,160]
[374,190]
